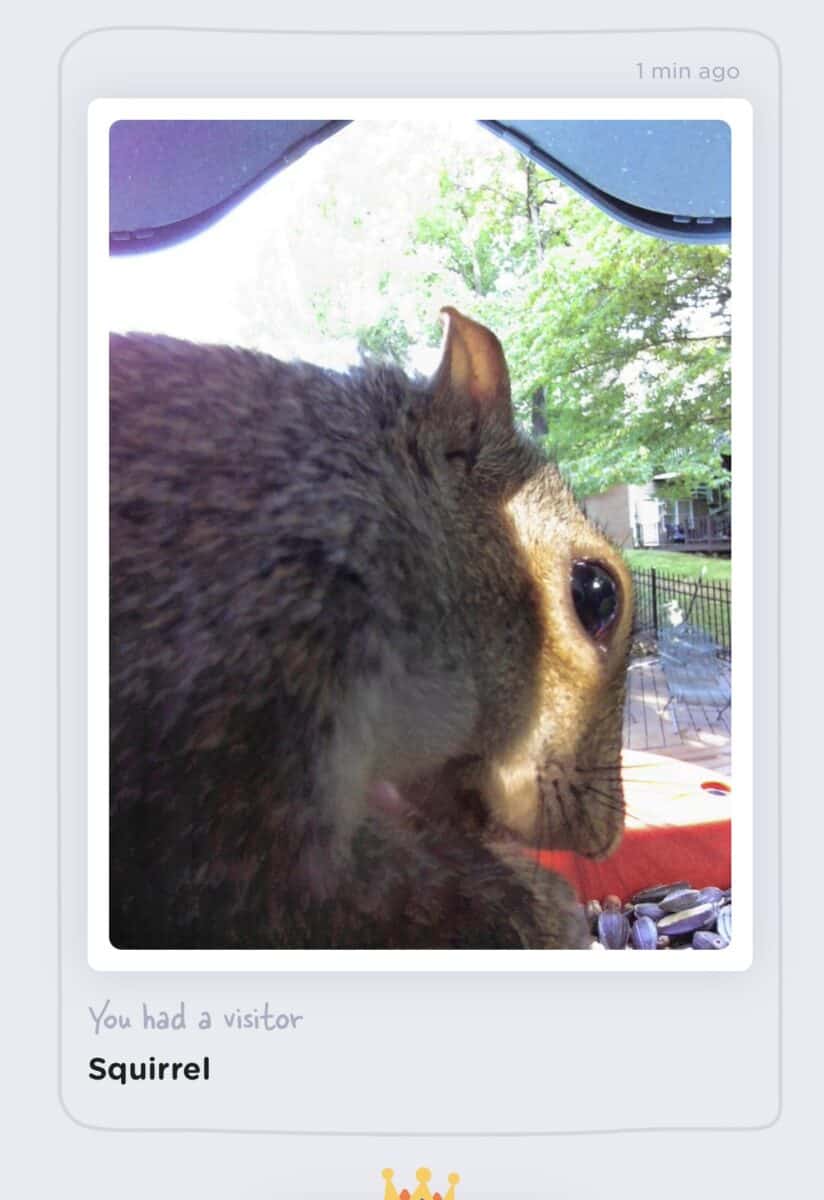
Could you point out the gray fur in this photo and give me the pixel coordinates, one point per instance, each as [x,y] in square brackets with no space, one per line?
[318,582]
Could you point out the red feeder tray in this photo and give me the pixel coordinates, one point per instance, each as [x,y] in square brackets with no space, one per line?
[677,828]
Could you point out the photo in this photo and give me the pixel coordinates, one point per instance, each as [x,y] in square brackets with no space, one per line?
[413,622]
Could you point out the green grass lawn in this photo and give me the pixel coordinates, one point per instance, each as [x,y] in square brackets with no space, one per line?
[688,566]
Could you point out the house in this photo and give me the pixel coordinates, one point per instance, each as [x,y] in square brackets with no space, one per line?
[640,515]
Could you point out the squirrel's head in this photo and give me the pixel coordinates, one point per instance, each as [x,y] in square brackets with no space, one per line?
[560,696]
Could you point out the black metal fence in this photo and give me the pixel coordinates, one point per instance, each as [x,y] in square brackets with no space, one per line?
[701,602]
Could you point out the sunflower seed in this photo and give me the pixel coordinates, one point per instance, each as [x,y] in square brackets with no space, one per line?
[655,893]
[654,911]
[679,899]
[644,935]
[724,922]
[671,921]
[613,930]
[686,920]
[703,939]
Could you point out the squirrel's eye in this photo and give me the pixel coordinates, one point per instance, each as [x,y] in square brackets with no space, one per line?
[595,596]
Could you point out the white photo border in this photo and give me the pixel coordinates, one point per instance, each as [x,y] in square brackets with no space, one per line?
[103,956]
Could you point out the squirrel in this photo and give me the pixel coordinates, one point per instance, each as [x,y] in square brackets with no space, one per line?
[365,651]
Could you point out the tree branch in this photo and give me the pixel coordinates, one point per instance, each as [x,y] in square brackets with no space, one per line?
[611,360]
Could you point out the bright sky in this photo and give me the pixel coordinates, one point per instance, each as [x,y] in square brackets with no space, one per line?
[190,290]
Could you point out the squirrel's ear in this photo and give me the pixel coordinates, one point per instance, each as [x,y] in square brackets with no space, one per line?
[473,366]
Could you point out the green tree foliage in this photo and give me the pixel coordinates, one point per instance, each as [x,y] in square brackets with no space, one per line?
[618,342]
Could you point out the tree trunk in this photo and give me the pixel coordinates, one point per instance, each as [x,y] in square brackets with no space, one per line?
[538,423]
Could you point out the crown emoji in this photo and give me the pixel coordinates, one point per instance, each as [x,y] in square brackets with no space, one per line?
[421,1192]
